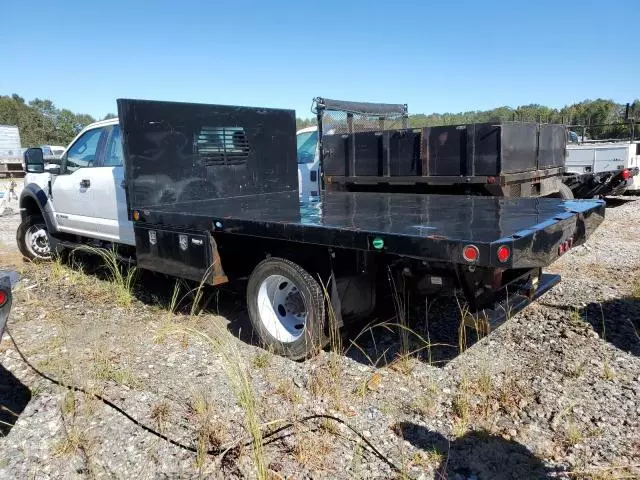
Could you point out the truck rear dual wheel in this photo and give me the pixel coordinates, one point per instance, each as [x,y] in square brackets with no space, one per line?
[287,309]
[33,239]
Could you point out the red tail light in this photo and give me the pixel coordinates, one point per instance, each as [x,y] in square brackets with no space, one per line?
[471,253]
[503,253]
[565,246]
[3,297]
[626,174]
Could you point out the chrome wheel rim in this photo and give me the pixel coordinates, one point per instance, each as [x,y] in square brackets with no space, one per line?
[37,241]
[282,308]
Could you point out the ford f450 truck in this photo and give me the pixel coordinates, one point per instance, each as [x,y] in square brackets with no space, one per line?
[210,193]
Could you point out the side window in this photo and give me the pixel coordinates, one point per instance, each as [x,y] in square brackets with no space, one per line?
[114,156]
[84,152]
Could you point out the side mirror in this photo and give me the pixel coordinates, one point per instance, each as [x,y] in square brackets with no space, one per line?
[34,160]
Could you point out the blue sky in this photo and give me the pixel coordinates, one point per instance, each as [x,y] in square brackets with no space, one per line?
[436,56]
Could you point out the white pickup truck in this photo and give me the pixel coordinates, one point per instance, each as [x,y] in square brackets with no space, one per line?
[89,193]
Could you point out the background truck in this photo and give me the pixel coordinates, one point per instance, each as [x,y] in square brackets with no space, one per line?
[209,193]
[10,152]
[369,147]
[596,168]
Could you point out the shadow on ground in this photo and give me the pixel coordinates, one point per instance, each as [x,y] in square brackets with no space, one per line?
[477,455]
[613,202]
[431,333]
[617,321]
[14,397]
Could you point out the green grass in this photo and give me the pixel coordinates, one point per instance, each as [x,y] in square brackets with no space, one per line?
[262,359]
[122,277]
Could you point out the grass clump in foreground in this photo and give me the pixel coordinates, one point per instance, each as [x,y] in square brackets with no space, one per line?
[105,369]
[122,277]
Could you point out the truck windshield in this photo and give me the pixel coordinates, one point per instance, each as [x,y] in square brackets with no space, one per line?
[306,143]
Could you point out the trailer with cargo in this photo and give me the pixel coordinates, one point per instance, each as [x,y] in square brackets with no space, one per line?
[209,193]
[370,147]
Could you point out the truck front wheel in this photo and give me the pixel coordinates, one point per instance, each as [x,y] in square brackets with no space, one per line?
[286,308]
[33,240]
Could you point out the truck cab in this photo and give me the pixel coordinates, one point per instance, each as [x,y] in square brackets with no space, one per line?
[82,197]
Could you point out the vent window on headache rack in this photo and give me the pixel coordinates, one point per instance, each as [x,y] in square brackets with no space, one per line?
[222,146]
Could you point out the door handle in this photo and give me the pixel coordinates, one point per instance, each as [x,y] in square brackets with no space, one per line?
[85,183]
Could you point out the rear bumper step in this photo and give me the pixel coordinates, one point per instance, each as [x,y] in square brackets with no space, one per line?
[487,320]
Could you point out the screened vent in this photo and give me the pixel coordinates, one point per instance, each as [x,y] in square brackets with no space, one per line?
[222,146]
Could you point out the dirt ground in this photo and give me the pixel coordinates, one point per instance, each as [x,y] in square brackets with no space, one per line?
[553,393]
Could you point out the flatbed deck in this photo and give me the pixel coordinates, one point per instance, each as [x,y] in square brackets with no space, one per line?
[430,227]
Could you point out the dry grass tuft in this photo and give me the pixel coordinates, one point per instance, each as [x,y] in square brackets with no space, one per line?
[106,368]
[209,434]
[427,459]
[287,390]
[575,318]
[262,359]
[75,440]
[572,435]
[427,403]
[160,414]
[462,407]
[312,450]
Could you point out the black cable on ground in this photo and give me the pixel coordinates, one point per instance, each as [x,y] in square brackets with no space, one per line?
[215,451]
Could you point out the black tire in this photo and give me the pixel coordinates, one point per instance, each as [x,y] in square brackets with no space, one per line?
[28,250]
[563,192]
[313,336]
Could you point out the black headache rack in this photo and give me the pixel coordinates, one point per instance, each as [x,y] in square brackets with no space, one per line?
[197,216]
[370,144]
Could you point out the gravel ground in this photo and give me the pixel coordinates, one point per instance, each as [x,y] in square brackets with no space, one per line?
[555,392]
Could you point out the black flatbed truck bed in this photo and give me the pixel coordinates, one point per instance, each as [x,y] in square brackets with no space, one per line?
[213,195]
[426,227]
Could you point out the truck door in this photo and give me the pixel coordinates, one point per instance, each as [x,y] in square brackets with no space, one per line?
[109,190]
[72,190]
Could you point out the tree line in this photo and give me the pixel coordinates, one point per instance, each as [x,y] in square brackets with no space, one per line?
[40,122]
[587,112]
